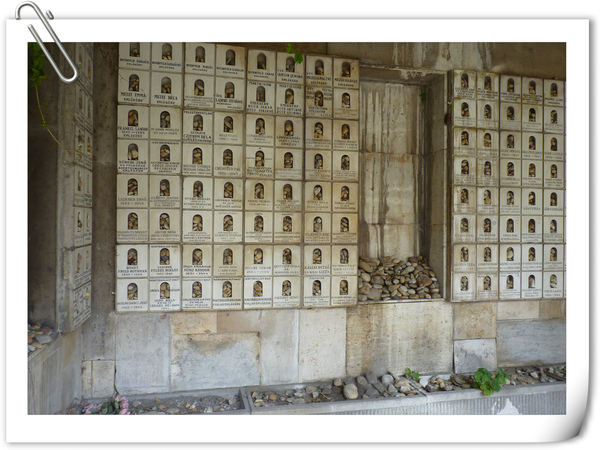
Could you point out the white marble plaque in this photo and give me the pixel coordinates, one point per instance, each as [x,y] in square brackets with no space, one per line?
[165,294]
[554,257]
[487,200]
[317,291]
[532,173]
[464,84]
[200,58]
[487,171]
[228,260]
[165,157]
[286,292]
[132,156]
[465,113]
[260,97]
[230,61]
[487,285]
[227,227]
[198,126]
[257,292]
[196,294]
[197,193]
[165,191]
[532,118]
[259,162]
[165,123]
[510,200]
[197,226]
[487,228]
[258,260]
[87,226]
[288,196]
[531,201]
[344,260]
[287,260]
[318,134]
[531,228]
[465,141]
[531,284]
[554,119]
[554,147]
[167,56]
[199,91]
[317,196]
[287,227]
[165,260]
[262,65]
[134,87]
[288,71]
[510,116]
[319,70]
[89,150]
[135,55]
[317,260]
[553,284]
[132,295]
[487,257]
[78,226]
[260,130]
[510,228]
[289,132]
[344,291]
[488,114]
[82,191]
[165,225]
[510,174]
[531,257]
[227,293]
[259,195]
[80,261]
[345,73]
[465,170]
[510,257]
[344,166]
[289,100]
[554,174]
[344,197]
[317,228]
[132,225]
[345,103]
[166,89]
[197,160]
[464,285]
[532,91]
[230,94]
[464,227]
[554,93]
[289,163]
[553,229]
[510,88]
[554,202]
[228,128]
[318,165]
[532,145]
[319,102]
[464,258]
[197,260]
[344,228]
[488,86]
[345,135]
[510,144]
[132,191]
[510,285]
[132,122]
[258,227]
[228,161]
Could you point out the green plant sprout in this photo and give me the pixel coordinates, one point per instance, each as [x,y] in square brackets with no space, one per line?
[408,373]
[298,58]
[489,383]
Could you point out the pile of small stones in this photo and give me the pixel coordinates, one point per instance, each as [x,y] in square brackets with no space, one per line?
[393,279]
[185,405]
[38,336]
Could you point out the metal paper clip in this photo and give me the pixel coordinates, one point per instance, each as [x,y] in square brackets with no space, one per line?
[38,11]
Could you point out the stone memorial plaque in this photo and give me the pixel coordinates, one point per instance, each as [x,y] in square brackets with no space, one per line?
[344,291]
[165,260]
[317,291]
[554,119]
[200,58]
[228,128]
[80,266]
[487,200]
[532,118]
[344,260]
[532,145]
[199,91]
[554,257]
[510,88]
[532,173]
[487,171]
[531,284]
[86,214]
[83,188]
[166,89]
[510,228]
[318,165]
[531,257]
[165,191]
[317,260]
[228,161]
[88,73]
[260,130]
[197,160]
[165,225]
[289,132]
[289,163]
[510,200]
[132,295]
[319,70]
[553,286]
[532,91]
[510,174]
[487,228]
[228,260]
[464,200]
[286,292]
[510,257]
[554,147]
[289,100]
[531,228]
[165,123]
[287,227]
[531,201]
[196,294]
[258,292]
[487,257]
[260,97]
[488,86]
[258,227]
[80,52]
[510,144]
[465,113]
[345,73]
[258,260]
[134,87]
[464,285]
[317,228]
[317,196]
[259,162]
[510,116]
[554,202]
[167,56]
[227,293]
[165,157]
[345,103]
[319,102]
[259,195]
[554,93]
[288,71]
[227,227]
[135,55]
[345,166]
[318,134]
[554,174]
[344,197]
[488,114]
[464,84]
[262,65]
[89,149]
[230,61]
[487,285]
[132,225]
[132,191]
[465,170]
[197,261]
[132,156]
[344,228]
[132,122]
[82,99]
[197,226]
[553,229]
[230,94]
[510,285]
[345,135]
[288,196]
[287,260]
[464,258]
[165,294]
[466,141]
[197,193]
[198,126]
[464,227]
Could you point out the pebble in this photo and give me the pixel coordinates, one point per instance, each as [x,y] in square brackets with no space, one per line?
[43,338]
[173,411]
[387,379]
[362,381]
[374,294]
[350,391]
[337,382]
[31,348]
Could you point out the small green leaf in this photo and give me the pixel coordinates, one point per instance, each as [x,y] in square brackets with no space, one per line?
[289,48]
[298,58]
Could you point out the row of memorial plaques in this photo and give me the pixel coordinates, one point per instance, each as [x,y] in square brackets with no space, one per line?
[84,111]
[84,59]
[508,88]
[230,61]
[508,257]
[83,143]
[469,228]
[508,200]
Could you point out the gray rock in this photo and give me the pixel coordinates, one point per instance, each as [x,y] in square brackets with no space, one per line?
[173,411]
[365,277]
[31,348]
[372,392]
[362,297]
[351,391]
[310,389]
[374,294]
[377,280]
[364,266]
[337,382]
[43,338]
[391,389]
[387,379]
[326,390]
[362,381]
[371,377]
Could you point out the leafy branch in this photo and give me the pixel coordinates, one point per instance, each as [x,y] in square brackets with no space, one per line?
[298,58]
